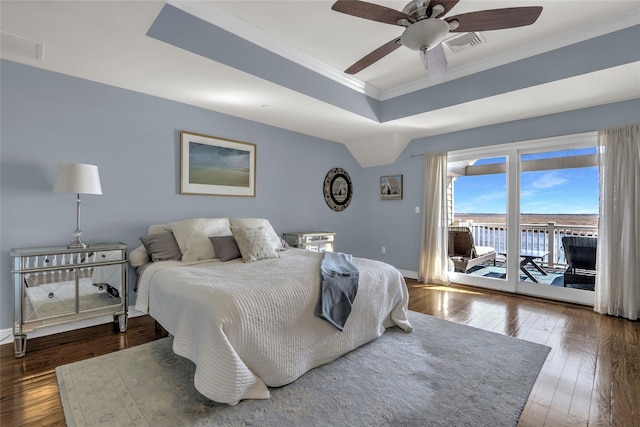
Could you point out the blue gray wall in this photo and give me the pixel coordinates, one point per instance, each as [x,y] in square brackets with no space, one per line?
[49,118]
[395,225]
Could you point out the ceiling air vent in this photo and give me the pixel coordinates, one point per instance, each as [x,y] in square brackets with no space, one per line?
[22,47]
[464,41]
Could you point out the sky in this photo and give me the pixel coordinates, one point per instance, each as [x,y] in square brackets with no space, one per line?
[213,155]
[560,191]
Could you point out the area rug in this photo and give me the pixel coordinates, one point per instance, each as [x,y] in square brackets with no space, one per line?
[441,374]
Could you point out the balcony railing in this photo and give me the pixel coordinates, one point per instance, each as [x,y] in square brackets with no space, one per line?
[538,237]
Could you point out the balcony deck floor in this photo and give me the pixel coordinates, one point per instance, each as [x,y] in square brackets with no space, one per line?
[554,277]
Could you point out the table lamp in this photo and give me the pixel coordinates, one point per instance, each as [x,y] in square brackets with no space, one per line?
[77,178]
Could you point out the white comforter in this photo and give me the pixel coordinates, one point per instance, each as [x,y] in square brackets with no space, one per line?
[247,326]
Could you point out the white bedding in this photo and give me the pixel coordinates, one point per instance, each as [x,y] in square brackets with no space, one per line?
[247,326]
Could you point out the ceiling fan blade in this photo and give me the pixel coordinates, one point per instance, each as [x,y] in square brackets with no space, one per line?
[447,4]
[496,19]
[435,62]
[373,12]
[374,56]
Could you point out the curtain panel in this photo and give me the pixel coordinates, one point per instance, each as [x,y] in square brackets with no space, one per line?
[618,253]
[434,258]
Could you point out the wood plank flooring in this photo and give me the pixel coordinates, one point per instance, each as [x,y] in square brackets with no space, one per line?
[28,386]
[592,374]
[590,378]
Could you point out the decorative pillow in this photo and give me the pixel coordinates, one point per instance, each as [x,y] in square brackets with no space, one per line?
[225,247]
[161,246]
[254,243]
[139,256]
[158,228]
[269,232]
[193,235]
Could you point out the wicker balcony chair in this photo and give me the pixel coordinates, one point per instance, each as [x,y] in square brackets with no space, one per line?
[464,253]
[580,253]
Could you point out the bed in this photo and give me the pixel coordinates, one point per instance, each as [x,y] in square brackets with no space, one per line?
[249,325]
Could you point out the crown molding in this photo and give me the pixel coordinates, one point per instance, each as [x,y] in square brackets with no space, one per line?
[231,23]
[251,33]
[606,26]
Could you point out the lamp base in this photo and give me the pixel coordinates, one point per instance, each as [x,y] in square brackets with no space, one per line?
[77,233]
[78,244]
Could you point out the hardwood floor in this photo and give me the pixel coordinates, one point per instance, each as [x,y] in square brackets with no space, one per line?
[591,377]
[28,386]
[592,374]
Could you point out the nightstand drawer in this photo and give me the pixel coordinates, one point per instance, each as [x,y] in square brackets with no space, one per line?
[318,247]
[103,256]
[318,241]
[56,285]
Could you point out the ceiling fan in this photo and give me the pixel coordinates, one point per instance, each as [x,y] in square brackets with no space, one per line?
[426,27]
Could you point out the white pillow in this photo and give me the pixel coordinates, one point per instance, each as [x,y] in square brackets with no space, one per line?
[139,256]
[254,243]
[193,235]
[268,231]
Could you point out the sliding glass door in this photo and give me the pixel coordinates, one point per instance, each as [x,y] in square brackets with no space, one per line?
[477,216]
[558,219]
[524,204]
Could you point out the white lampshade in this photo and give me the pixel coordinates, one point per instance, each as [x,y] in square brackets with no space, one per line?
[78,178]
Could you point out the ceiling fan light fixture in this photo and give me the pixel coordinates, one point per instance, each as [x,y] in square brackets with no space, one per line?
[436,10]
[425,34]
[426,27]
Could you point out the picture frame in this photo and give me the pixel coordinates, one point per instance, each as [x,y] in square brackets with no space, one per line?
[337,189]
[216,166]
[391,187]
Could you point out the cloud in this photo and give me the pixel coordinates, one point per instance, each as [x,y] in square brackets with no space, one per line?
[549,180]
[211,155]
[542,181]
[487,197]
[484,202]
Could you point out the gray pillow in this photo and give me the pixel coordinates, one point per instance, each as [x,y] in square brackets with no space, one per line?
[161,246]
[225,247]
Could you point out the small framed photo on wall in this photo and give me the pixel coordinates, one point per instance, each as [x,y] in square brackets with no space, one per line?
[391,187]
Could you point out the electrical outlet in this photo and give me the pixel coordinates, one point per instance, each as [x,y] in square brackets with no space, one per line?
[383,250]
[417,209]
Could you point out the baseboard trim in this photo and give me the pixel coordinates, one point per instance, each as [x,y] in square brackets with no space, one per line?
[409,274]
[6,335]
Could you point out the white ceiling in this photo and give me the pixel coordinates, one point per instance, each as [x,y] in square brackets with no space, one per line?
[105,41]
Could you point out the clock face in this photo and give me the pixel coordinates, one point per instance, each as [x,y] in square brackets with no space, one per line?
[338,189]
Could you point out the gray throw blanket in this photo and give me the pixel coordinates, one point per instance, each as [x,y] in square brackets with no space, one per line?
[338,287]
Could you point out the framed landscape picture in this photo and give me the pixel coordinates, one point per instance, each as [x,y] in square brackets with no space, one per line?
[391,187]
[216,166]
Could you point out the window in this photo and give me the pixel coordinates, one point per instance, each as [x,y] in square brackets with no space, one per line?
[520,200]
